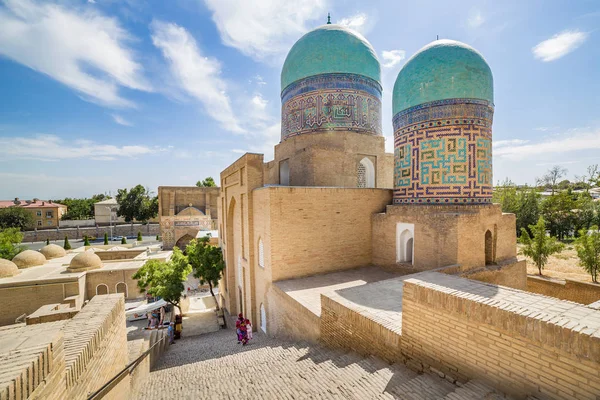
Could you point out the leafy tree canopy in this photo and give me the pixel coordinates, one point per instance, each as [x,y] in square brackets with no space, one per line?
[16,217]
[81,208]
[10,243]
[540,246]
[208,182]
[206,261]
[588,251]
[137,204]
[165,279]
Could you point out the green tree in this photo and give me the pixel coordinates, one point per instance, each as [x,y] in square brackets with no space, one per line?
[553,175]
[137,204]
[105,238]
[10,243]
[206,261]
[165,279]
[86,241]
[81,208]
[123,240]
[524,202]
[540,246]
[208,182]
[67,245]
[139,236]
[558,212]
[157,237]
[588,251]
[47,241]
[16,217]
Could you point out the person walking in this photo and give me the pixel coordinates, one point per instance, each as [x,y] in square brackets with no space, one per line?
[248,329]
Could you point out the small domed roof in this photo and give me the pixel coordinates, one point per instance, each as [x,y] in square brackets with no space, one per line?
[444,69]
[28,259]
[84,262]
[8,268]
[51,251]
[329,49]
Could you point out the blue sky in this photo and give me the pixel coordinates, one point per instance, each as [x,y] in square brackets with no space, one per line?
[102,94]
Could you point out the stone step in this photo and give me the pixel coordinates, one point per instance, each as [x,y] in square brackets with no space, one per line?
[476,390]
[423,387]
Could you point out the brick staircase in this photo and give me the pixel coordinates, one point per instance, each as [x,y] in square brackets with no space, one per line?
[215,366]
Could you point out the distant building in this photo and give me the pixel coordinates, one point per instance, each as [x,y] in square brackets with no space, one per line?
[46,214]
[106,211]
[184,211]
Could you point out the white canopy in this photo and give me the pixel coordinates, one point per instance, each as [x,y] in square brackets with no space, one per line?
[146,308]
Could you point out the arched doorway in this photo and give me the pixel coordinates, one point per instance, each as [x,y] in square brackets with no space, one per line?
[102,289]
[284,173]
[489,248]
[121,288]
[183,241]
[405,246]
[233,252]
[263,318]
[365,174]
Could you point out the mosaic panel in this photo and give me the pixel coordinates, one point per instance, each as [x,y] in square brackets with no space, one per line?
[331,102]
[449,159]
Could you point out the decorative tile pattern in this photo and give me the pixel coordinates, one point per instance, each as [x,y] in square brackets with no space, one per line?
[331,102]
[443,153]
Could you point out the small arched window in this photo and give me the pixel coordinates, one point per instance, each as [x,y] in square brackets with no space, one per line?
[102,289]
[261,253]
[365,174]
[121,287]
[284,173]
[489,248]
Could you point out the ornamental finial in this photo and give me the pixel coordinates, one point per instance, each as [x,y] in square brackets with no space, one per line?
[328,19]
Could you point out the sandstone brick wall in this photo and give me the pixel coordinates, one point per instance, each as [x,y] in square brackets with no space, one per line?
[319,230]
[111,278]
[579,292]
[96,347]
[510,273]
[286,318]
[456,232]
[18,300]
[119,254]
[342,327]
[521,343]
[331,159]
[74,233]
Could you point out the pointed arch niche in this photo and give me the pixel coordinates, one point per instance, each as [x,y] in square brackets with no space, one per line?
[405,244]
[365,174]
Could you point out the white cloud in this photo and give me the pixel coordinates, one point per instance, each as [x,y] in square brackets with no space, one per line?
[545,128]
[511,142]
[53,148]
[573,141]
[64,43]
[356,22]
[120,120]
[264,29]
[476,19]
[259,102]
[391,58]
[559,45]
[199,76]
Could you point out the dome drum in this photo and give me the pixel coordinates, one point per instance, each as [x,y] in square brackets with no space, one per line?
[331,82]
[443,105]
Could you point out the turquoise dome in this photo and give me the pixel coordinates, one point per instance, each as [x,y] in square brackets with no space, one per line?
[444,69]
[330,49]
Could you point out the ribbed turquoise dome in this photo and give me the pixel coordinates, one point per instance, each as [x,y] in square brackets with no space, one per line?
[330,49]
[444,69]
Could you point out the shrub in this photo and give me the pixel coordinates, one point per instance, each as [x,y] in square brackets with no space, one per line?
[157,237]
[124,240]
[86,241]
[105,238]
[67,245]
[139,237]
[48,241]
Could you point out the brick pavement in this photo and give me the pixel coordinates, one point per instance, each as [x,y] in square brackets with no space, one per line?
[215,366]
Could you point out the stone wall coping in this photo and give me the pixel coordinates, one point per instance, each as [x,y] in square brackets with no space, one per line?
[86,331]
[540,318]
[560,281]
[319,188]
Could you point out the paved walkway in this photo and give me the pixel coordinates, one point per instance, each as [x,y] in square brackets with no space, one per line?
[215,366]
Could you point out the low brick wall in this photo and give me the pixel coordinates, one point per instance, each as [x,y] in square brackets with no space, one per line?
[511,273]
[286,318]
[579,292]
[344,328]
[98,232]
[521,343]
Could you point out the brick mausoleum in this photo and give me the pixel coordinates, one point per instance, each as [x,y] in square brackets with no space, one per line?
[400,255]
